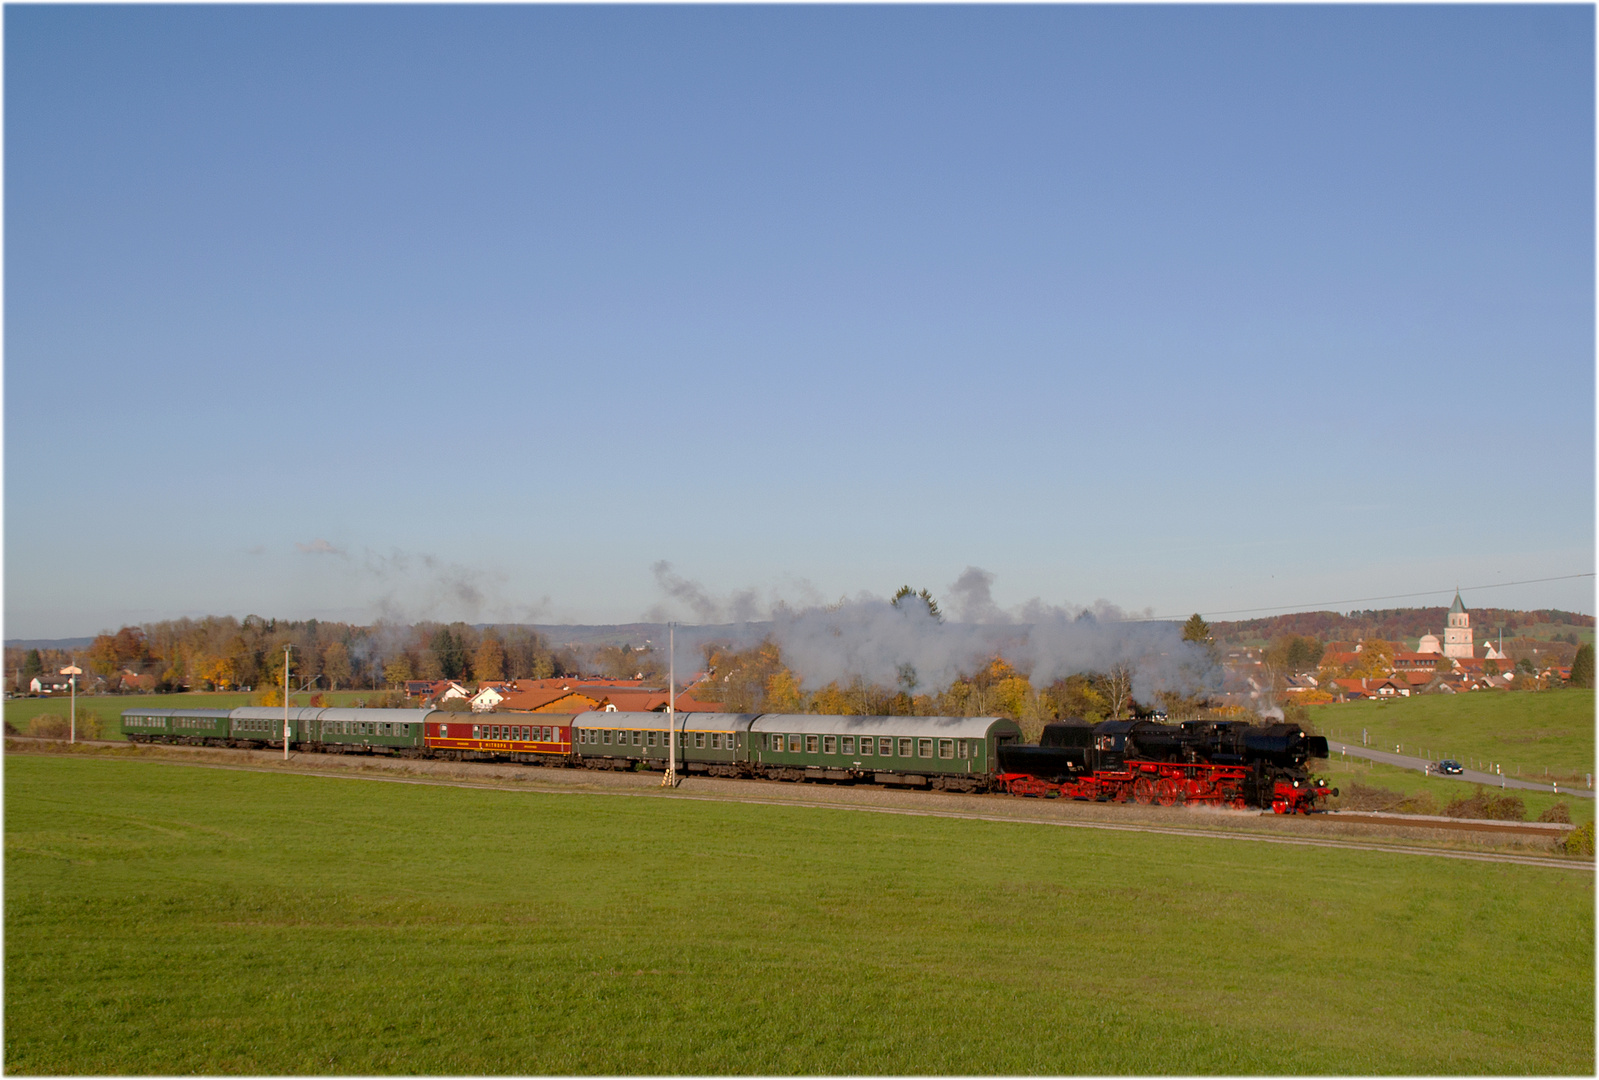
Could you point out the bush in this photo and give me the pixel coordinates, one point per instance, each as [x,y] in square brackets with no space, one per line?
[390,700]
[1579,841]
[48,726]
[1421,802]
[1559,814]
[1487,806]
[53,726]
[11,729]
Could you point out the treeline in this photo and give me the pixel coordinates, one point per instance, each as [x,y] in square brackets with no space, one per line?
[229,654]
[757,680]
[1394,624]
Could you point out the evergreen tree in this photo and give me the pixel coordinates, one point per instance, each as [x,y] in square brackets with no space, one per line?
[452,657]
[34,664]
[905,591]
[1196,629]
[1582,667]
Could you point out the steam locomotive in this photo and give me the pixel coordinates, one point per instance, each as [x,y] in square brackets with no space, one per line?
[1216,762]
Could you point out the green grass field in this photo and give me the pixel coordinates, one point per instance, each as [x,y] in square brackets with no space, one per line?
[109,706]
[165,919]
[1530,732]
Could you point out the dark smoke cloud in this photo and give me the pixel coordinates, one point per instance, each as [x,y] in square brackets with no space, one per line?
[743,606]
[433,588]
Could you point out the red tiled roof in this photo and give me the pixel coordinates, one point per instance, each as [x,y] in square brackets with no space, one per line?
[684,703]
[532,700]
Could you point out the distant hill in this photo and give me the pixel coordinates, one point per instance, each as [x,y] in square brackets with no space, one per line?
[635,635]
[1396,624]
[66,644]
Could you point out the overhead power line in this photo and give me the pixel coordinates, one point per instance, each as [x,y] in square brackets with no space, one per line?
[1322,605]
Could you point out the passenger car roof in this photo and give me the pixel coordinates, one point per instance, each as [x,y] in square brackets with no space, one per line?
[656,721]
[386,716]
[956,727]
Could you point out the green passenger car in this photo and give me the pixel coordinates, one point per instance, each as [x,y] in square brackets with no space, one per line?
[950,753]
[370,731]
[716,744]
[623,740]
[175,725]
[263,725]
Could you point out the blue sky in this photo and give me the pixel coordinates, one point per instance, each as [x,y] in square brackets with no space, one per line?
[484,312]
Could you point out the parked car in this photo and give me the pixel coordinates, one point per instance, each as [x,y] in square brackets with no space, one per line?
[1450,768]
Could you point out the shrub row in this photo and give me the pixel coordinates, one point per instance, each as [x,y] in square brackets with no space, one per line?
[54,726]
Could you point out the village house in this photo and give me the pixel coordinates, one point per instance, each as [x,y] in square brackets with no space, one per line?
[49,684]
[490,694]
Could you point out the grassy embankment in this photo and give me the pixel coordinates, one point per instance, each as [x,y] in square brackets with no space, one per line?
[1534,736]
[1343,774]
[108,707]
[166,919]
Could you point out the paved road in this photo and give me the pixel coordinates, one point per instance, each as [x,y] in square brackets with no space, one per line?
[1470,776]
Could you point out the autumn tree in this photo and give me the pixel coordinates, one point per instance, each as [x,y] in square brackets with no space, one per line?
[739,678]
[397,671]
[103,655]
[218,671]
[336,664]
[488,663]
[1375,661]
[1076,698]
[528,655]
[620,661]
[783,694]
[424,665]
[1118,690]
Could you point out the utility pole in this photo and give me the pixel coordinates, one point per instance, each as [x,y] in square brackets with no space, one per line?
[72,671]
[670,779]
[286,649]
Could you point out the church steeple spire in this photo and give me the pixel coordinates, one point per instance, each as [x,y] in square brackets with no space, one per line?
[1457,634]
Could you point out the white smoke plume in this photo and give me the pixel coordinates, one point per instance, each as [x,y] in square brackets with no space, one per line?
[906,645]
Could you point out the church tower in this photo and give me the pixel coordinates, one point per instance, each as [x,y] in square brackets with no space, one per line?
[1457,635]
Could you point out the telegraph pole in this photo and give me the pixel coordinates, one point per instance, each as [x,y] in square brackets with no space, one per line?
[670,779]
[286,649]
[72,671]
